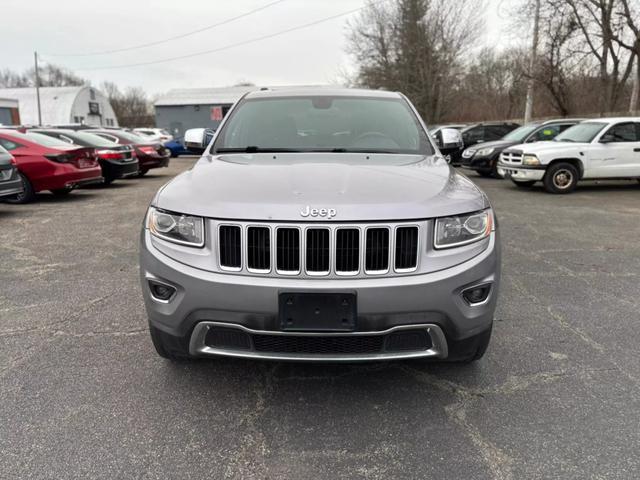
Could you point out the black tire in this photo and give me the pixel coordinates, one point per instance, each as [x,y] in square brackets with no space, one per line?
[561,178]
[527,184]
[484,173]
[61,192]
[108,180]
[28,195]
[142,172]
[494,170]
[167,346]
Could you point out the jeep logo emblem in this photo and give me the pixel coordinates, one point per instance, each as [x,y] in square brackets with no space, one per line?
[318,212]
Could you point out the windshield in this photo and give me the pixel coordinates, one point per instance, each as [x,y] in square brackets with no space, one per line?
[323,123]
[581,133]
[520,134]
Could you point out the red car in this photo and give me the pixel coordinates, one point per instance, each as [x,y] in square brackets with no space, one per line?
[46,163]
[150,154]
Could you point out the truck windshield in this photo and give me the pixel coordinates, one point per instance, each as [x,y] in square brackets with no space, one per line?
[341,124]
[581,133]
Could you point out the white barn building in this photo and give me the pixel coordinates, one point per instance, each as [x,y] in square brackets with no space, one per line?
[63,106]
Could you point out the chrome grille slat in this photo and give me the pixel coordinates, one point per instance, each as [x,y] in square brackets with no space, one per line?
[317,251]
[230,247]
[288,251]
[259,249]
[406,249]
[347,251]
[377,251]
[312,249]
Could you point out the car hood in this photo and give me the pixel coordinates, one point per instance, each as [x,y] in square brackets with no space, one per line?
[357,186]
[548,147]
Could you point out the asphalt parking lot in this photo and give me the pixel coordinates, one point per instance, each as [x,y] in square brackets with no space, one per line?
[83,394]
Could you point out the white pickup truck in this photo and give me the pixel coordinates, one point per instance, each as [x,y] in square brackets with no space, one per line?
[605,148]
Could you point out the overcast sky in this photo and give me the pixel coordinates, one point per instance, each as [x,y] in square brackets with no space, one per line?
[309,56]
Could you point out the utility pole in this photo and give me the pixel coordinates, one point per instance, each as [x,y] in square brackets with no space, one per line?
[35,58]
[633,103]
[528,109]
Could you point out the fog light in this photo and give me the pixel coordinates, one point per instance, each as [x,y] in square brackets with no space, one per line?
[161,291]
[476,295]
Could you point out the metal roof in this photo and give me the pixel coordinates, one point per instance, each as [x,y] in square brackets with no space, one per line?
[218,95]
[56,103]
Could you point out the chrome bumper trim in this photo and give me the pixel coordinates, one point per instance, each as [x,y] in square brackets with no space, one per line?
[197,346]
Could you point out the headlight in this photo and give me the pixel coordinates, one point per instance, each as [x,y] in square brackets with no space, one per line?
[463,229]
[484,152]
[530,160]
[176,228]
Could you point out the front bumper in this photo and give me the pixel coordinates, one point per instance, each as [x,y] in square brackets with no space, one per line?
[519,173]
[118,169]
[477,163]
[431,300]
[12,186]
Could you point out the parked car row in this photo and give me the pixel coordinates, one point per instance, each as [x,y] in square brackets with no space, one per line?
[561,153]
[59,160]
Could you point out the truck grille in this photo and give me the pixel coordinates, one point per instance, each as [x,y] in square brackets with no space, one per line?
[317,250]
[513,156]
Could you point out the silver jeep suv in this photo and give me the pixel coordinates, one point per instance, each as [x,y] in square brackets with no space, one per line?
[320,225]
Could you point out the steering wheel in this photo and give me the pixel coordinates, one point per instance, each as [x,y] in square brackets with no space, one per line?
[381,138]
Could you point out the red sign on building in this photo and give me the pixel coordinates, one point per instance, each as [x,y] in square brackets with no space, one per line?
[216,114]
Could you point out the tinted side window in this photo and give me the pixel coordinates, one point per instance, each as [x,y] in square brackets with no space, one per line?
[492,132]
[9,145]
[623,132]
[474,135]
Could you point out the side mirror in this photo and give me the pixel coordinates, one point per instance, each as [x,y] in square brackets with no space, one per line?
[197,140]
[449,138]
[607,138]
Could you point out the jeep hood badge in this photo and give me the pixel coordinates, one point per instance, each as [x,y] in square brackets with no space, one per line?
[318,212]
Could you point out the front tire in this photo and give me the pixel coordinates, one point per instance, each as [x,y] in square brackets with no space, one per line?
[142,172]
[561,178]
[484,173]
[28,195]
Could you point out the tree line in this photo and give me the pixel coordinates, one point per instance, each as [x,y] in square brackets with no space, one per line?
[585,61]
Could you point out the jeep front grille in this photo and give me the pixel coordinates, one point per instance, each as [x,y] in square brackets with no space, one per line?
[318,250]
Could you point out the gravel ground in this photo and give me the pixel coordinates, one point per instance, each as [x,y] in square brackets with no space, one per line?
[83,394]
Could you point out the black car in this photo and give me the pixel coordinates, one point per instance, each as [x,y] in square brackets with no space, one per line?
[486,132]
[483,158]
[116,161]
[10,182]
[150,154]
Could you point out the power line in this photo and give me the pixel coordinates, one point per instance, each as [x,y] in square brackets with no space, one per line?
[233,45]
[177,37]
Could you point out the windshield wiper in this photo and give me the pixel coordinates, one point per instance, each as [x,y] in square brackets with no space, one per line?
[255,149]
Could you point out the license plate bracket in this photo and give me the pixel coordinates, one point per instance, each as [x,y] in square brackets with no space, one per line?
[318,312]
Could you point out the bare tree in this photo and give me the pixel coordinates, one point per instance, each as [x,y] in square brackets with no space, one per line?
[415,46]
[602,28]
[131,106]
[50,76]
